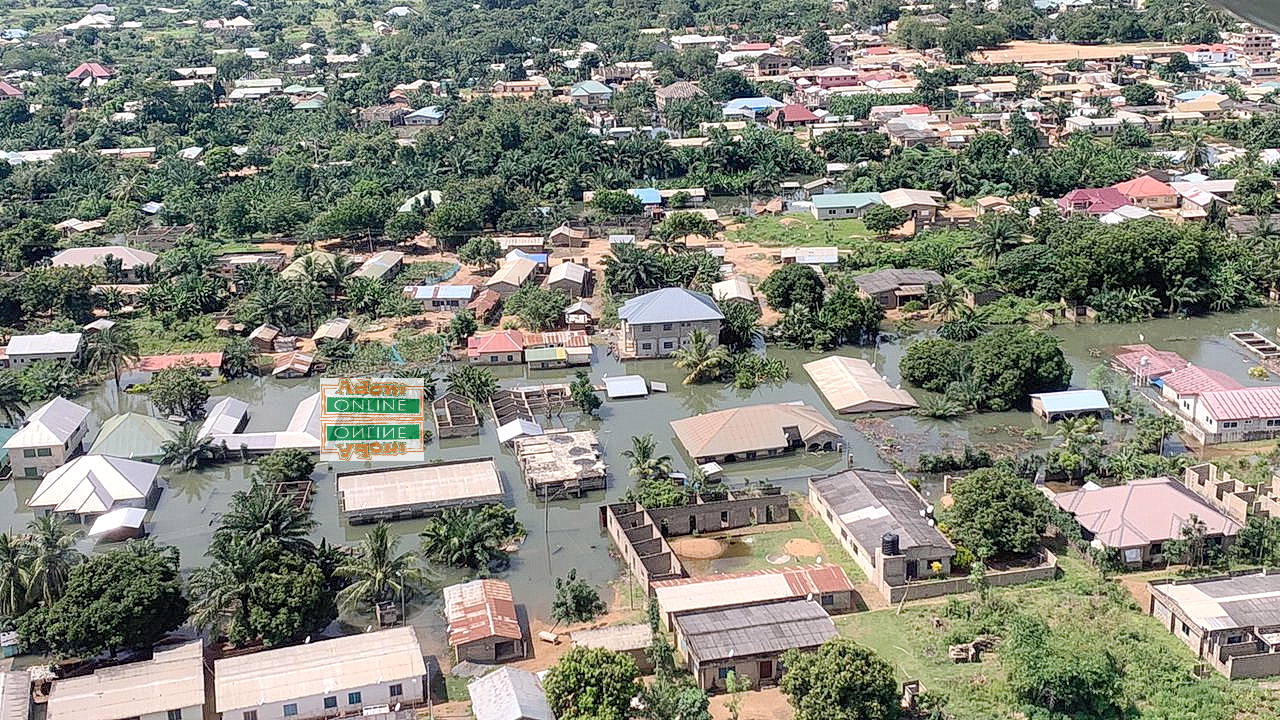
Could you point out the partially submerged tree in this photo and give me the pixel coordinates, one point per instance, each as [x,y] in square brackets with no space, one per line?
[575,600]
[841,680]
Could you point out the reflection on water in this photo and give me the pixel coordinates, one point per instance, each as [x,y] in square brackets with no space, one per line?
[566,533]
[1265,13]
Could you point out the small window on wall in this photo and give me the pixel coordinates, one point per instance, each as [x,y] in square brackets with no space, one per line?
[353,698]
[291,710]
[1185,630]
[331,702]
[723,672]
[396,690]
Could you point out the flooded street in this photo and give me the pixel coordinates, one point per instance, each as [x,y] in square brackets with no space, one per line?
[565,534]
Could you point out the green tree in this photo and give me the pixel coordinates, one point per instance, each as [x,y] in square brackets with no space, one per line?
[538,308]
[189,450]
[994,513]
[1139,94]
[847,317]
[46,379]
[656,492]
[476,384]
[262,516]
[792,285]
[179,391]
[112,348]
[481,251]
[616,203]
[13,575]
[741,326]
[461,326]
[237,358]
[377,571]
[592,684]
[842,679]
[11,405]
[1069,674]
[702,358]
[283,466]
[584,393]
[576,601]
[48,556]
[646,463]
[881,219]
[1011,363]
[934,363]
[471,538]
[122,599]
[679,225]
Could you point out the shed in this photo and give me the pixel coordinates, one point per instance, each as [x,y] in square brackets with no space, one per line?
[633,640]
[411,491]
[626,386]
[852,385]
[509,694]
[749,640]
[119,524]
[483,625]
[1054,406]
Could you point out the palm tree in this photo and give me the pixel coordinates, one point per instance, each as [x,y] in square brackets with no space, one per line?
[945,299]
[995,235]
[963,325]
[703,358]
[476,384]
[220,592]
[471,538]
[189,450]
[1196,147]
[376,571]
[111,348]
[646,464]
[13,590]
[629,268]
[261,516]
[50,555]
[11,405]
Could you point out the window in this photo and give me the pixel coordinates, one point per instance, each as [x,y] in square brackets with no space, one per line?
[353,698]
[828,599]
[291,710]
[510,358]
[1157,548]
[44,452]
[646,346]
[29,453]
[396,690]
[646,328]
[493,358]
[666,345]
[175,715]
[1230,424]
[249,715]
[1185,630]
[30,472]
[331,702]
[1233,639]
[666,326]
[723,672]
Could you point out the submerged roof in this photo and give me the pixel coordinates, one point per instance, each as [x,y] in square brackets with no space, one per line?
[436,484]
[1068,401]
[853,385]
[93,484]
[754,630]
[133,435]
[749,428]
[50,343]
[670,305]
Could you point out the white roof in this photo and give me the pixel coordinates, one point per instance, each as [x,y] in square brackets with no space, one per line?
[625,386]
[93,484]
[853,385]
[516,428]
[51,424]
[15,695]
[225,417]
[50,343]
[172,679]
[319,668]
[436,484]
[85,256]
[509,694]
[125,517]
[572,272]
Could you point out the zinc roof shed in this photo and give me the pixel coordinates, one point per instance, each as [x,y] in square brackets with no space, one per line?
[1069,403]
[754,630]
[853,385]
[669,305]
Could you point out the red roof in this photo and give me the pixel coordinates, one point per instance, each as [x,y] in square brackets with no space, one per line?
[156,363]
[793,114]
[752,47]
[1158,363]
[880,50]
[802,579]
[1098,201]
[9,91]
[1242,404]
[498,341]
[479,610]
[1192,380]
[1216,47]
[1145,187]
[95,70]
[916,110]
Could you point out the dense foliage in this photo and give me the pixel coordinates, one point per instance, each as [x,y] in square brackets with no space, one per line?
[995,513]
[997,371]
[841,679]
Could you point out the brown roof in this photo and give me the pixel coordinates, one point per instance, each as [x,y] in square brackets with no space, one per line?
[480,609]
[748,428]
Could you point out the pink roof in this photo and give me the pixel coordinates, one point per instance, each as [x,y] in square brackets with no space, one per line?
[879,50]
[156,363]
[752,47]
[916,110]
[793,114]
[1242,404]
[498,341]
[10,91]
[1145,187]
[95,70]
[1141,512]
[1158,362]
[1098,201]
[1193,380]
[1216,47]
[802,579]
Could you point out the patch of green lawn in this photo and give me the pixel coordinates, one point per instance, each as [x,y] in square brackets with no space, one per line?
[801,230]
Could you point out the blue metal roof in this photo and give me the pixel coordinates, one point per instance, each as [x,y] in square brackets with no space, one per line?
[590,87]
[670,305]
[843,200]
[755,104]
[1069,401]
[648,196]
[430,112]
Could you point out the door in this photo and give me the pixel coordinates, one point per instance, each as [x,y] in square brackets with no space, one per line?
[766,671]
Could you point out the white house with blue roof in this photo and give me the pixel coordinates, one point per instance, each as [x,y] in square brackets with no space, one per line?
[657,323]
[750,107]
[591,93]
[429,116]
[834,206]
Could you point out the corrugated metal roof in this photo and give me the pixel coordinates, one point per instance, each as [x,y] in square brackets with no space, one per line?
[681,595]
[853,385]
[871,503]
[480,609]
[669,305]
[171,680]
[1245,601]
[1141,512]
[1243,404]
[883,281]
[509,694]
[625,386]
[754,629]
[133,435]
[51,424]
[751,428]
[1072,401]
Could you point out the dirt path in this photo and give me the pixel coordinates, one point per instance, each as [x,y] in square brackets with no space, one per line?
[767,704]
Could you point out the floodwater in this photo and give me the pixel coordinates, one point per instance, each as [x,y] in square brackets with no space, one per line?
[1264,13]
[565,534]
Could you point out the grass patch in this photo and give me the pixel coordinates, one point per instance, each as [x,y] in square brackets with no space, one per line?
[158,338]
[801,230]
[773,540]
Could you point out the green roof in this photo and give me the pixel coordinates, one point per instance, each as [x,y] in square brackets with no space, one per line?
[545,354]
[133,436]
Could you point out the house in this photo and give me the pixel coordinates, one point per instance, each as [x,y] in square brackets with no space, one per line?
[454,297]
[1148,192]
[497,347]
[87,74]
[808,255]
[134,436]
[828,585]
[1146,364]
[658,322]
[1067,404]
[734,290]
[10,92]
[1228,414]
[566,236]
[921,206]
[676,92]
[570,278]
[1139,518]
[91,485]
[771,64]
[263,337]
[833,206]
[511,276]
[581,315]
[483,625]
[895,288]
[413,491]
[429,116]
[852,385]
[993,204]
[293,364]
[509,694]
[26,349]
[521,89]
[485,305]
[1231,621]
[133,262]
[333,330]
[881,520]
[749,641]
[1095,202]
[325,678]
[50,435]
[169,686]
[557,462]
[381,266]
[750,107]
[590,94]
[755,431]
[791,116]
[206,365]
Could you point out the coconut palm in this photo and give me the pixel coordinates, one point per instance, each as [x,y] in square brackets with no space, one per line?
[259,516]
[13,590]
[704,359]
[49,555]
[945,299]
[646,464]
[963,325]
[996,234]
[11,405]
[377,572]
[629,268]
[1196,148]
[471,538]
[476,384]
[112,348]
[220,592]
[189,450]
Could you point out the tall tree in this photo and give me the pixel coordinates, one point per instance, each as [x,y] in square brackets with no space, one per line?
[49,555]
[377,571]
[841,680]
[592,683]
[703,358]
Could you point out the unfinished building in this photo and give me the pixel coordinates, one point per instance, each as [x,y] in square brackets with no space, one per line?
[561,463]
[455,416]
